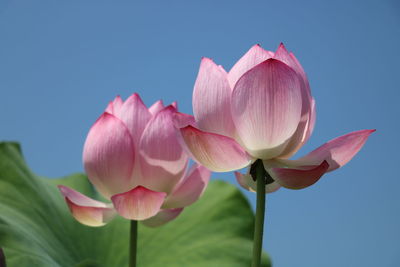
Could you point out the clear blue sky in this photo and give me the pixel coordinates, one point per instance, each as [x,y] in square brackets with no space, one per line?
[62,61]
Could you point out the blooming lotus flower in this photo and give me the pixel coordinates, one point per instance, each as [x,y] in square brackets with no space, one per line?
[133,158]
[262,109]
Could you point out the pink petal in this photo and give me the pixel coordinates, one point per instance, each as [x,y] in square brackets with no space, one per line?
[212,99]
[175,105]
[110,108]
[117,104]
[182,120]
[266,108]
[162,217]
[311,123]
[217,152]
[135,115]
[299,178]
[253,57]
[288,58]
[336,152]
[156,107]
[302,134]
[108,155]
[247,182]
[139,203]
[189,189]
[86,210]
[162,160]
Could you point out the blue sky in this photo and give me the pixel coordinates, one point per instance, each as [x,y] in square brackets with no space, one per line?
[62,61]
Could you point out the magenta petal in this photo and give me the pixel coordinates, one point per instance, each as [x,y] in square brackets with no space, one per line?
[139,203]
[212,99]
[163,160]
[108,155]
[253,57]
[266,108]
[247,182]
[86,210]
[338,151]
[217,152]
[156,107]
[190,188]
[162,217]
[299,178]
[135,115]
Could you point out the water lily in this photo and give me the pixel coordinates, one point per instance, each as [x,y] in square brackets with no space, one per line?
[262,109]
[133,158]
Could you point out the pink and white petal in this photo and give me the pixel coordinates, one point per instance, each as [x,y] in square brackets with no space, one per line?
[135,115]
[162,217]
[216,152]
[212,99]
[272,187]
[288,58]
[247,182]
[311,123]
[299,178]
[110,107]
[175,105]
[156,107]
[253,57]
[266,108]
[190,189]
[302,134]
[86,210]
[117,104]
[108,155]
[139,203]
[336,152]
[163,160]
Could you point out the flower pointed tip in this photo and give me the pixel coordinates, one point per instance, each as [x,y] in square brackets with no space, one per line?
[170,108]
[62,189]
[282,46]
[206,59]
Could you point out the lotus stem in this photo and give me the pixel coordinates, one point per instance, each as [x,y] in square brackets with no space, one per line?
[133,244]
[260,174]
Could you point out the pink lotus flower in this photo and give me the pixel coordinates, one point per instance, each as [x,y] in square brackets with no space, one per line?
[262,109]
[133,158]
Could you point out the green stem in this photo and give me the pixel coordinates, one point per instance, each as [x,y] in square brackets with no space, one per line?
[133,244]
[260,174]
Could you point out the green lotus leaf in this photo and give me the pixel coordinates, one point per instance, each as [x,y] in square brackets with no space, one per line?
[36,228]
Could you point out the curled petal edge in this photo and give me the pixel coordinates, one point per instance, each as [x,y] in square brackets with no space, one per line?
[85,210]
[218,153]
